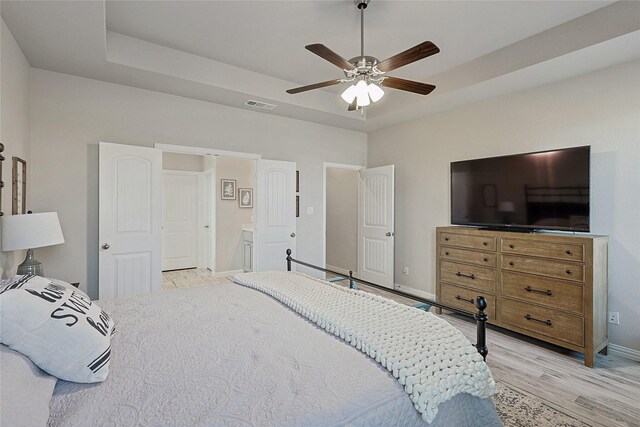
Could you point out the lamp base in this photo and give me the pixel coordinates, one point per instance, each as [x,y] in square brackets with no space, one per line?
[30,265]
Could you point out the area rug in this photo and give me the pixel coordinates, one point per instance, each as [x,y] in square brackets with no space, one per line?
[519,410]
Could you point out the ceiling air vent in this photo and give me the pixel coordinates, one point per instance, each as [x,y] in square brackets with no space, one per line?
[258,104]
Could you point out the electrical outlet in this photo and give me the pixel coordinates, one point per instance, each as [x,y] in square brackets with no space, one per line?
[614,317]
[405,271]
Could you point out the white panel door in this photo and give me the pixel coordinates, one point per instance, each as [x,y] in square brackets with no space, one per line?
[275,214]
[179,220]
[130,220]
[376,225]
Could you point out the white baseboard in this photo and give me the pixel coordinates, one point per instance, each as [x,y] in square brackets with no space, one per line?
[627,353]
[414,291]
[340,270]
[226,273]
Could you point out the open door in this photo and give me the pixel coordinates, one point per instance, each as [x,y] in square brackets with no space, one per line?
[376,225]
[130,221]
[275,214]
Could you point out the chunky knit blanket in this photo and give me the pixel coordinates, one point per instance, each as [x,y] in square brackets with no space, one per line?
[432,360]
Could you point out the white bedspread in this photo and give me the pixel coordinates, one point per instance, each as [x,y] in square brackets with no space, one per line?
[227,355]
[431,358]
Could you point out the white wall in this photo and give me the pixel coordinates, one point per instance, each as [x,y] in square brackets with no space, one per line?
[600,109]
[14,129]
[70,115]
[342,218]
[229,215]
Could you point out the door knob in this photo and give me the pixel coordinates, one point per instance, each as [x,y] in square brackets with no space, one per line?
[105,246]
[206,226]
[293,234]
[389,234]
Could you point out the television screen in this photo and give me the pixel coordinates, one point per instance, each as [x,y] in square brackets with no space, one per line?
[544,190]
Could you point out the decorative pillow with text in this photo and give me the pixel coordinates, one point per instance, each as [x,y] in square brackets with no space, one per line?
[60,329]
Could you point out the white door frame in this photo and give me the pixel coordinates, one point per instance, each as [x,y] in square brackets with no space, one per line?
[201,151]
[208,217]
[325,166]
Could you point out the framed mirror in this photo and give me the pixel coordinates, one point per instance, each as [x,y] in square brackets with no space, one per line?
[19,205]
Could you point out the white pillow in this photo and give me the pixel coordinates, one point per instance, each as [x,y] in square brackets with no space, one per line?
[59,329]
[20,279]
[25,390]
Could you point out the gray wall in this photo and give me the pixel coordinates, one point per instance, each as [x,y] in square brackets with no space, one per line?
[70,115]
[229,215]
[14,129]
[342,218]
[567,113]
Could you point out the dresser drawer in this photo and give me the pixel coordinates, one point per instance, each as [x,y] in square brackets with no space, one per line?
[560,270]
[464,299]
[548,292]
[552,323]
[482,279]
[472,257]
[471,242]
[559,251]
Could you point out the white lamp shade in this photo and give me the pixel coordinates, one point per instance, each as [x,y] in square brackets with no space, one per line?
[31,231]
[349,94]
[375,92]
[363,100]
[361,89]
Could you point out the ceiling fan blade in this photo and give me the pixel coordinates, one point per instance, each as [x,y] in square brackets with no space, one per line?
[327,54]
[314,86]
[416,53]
[408,85]
[353,106]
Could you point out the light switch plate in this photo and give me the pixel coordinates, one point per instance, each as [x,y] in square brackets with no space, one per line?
[309,210]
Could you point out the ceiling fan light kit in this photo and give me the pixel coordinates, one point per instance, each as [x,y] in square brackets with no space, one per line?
[365,73]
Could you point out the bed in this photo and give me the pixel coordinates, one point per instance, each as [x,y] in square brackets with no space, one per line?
[231,355]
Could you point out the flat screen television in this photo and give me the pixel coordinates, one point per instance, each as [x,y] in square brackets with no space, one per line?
[547,190]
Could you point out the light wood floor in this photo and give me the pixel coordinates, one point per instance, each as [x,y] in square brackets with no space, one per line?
[607,395]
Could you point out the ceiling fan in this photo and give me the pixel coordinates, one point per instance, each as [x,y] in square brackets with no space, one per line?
[367,72]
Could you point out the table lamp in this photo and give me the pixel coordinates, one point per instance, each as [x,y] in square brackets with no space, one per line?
[28,232]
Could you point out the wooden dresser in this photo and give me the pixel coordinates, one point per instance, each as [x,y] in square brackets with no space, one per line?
[549,286]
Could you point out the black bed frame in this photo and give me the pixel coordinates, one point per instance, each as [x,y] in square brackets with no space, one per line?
[480,302]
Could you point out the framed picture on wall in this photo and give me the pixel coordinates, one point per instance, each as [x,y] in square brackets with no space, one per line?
[297,206]
[297,181]
[19,205]
[228,190]
[245,197]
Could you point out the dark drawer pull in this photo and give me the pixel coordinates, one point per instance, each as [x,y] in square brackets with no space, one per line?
[568,252]
[533,319]
[568,271]
[470,276]
[485,259]
[459,298]
[446,253]
[530,289]
[511,246]
[446,239]
[511,263]
[485,243]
